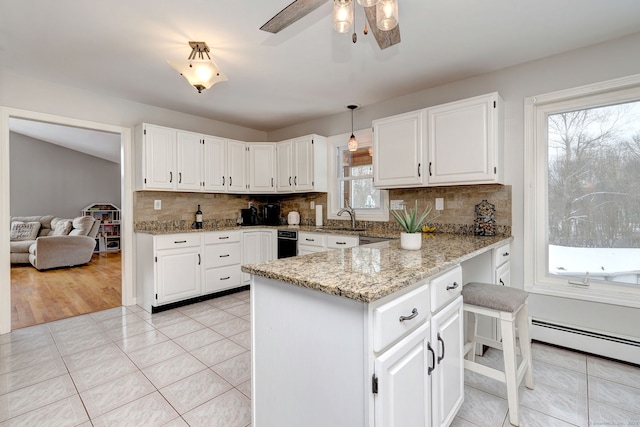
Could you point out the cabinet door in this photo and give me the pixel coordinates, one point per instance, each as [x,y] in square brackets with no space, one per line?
[397,151]
[159,158]
[262,167]
[403,397]
[284,166]
[189,156]
[463,141]
[447,379]
[215,164]
[236,169]
[503,274]
[250,251]
[268,246]
[303,163]
[178,274]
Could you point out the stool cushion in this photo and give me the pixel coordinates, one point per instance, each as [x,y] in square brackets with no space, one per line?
[496,297]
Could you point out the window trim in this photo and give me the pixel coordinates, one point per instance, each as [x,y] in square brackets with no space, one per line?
[365,139]
[536,109]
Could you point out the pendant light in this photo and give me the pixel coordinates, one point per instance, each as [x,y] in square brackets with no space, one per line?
[342,15]
[353,143]
[387,14]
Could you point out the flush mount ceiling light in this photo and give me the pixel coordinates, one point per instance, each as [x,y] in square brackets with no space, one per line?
[201,73]
[353,143]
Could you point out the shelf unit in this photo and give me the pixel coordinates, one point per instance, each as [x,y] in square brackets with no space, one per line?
[108,237]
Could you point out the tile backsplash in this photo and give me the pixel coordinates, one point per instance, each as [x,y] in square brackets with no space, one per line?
[178,209]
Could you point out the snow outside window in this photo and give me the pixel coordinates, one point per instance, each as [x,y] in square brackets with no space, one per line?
[585,189]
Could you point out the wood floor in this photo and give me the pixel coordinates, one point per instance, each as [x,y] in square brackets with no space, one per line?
[43,296]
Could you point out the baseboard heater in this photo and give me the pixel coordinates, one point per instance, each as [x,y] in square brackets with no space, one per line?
[589,341]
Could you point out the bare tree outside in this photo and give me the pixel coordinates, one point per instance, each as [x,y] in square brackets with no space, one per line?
[594,180]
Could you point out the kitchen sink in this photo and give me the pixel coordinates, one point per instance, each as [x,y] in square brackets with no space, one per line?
[340,229]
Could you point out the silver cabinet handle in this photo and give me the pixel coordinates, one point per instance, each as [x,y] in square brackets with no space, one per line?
[442,341]
[454,286]
[414,313]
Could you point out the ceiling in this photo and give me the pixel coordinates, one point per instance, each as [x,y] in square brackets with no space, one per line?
[121,48]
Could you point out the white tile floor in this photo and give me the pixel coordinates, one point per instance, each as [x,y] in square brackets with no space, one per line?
[191,366]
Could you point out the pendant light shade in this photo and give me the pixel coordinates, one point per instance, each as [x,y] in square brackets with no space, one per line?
[387,14]
[201,73]
[342,15]
[352,145]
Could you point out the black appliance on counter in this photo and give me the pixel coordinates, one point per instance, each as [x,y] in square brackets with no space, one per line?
[287,243]
[271,214]
[249,216]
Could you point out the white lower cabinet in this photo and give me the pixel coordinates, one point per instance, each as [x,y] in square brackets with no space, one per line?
[258,246]
[403,395]
[178,274]
[319,242]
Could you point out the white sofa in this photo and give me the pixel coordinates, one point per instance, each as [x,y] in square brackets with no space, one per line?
[59,242]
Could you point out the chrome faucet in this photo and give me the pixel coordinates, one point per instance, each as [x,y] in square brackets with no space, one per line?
[351,212]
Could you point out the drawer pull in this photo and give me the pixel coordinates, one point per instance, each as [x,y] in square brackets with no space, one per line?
[179,241]
[223,237]
[442,341]
[224,256]
[414,313]
[501,282]
[310,240]
[505,254]
[433,359]
[341,243]
[454,286]
[199,260]
[225,278]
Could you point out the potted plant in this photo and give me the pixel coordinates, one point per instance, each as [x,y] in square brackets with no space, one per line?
[411,223]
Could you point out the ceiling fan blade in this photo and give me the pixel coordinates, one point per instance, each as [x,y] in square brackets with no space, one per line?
[384,38]
[290,14]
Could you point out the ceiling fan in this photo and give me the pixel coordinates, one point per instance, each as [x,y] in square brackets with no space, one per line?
[300,8]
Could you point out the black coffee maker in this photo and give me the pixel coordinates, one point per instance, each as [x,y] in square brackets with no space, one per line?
[249,216]
[271,214]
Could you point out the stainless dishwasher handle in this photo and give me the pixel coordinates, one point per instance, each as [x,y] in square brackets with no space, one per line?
[414,313]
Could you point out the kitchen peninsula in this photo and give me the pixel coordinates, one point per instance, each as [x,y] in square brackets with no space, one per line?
[367,336]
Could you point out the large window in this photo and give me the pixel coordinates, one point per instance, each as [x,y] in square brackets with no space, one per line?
[351,182]
[583,207]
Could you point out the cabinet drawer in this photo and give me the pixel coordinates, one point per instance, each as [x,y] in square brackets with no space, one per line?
[340,242]
[310,239]
[221,237]
[216,279]
[445,288]
[221,255]
[177,241]
[390,321]
[502,254]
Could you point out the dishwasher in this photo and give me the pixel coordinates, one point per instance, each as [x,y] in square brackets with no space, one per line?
[287,243]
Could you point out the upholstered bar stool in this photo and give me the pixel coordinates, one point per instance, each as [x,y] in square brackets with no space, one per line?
[509,306]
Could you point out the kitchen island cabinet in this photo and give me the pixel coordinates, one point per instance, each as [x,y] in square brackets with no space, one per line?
[366,336]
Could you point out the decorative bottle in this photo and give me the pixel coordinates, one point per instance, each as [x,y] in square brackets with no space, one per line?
[198,218]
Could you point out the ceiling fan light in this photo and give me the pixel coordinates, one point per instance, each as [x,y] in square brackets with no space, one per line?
[342,15]
[387,14]
[367,3]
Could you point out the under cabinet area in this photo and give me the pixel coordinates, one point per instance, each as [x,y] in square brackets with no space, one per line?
[457,143]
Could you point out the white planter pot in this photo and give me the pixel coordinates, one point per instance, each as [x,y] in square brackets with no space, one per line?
[411,241]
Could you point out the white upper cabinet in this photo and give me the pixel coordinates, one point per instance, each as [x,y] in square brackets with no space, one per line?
[262,168]
[284,165]
[398,151]
[465,141]
[156,150]
[302,164]
[189,161]
[236,167]
[215,164]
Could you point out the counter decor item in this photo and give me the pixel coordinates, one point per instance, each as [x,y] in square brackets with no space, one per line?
[411,223]
[198,218]
[293,218]
[485,223]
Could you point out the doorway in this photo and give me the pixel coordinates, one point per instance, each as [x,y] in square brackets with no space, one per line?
[126,177]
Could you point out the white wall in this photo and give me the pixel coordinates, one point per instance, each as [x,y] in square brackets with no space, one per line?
[597,63]
[47,179]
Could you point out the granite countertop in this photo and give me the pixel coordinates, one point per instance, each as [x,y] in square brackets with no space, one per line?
[368,273]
